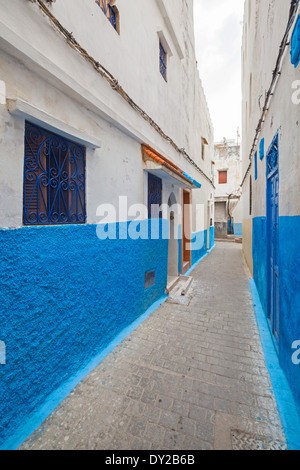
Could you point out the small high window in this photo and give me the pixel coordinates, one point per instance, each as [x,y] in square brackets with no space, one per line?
[223,177]
[54,179]
[295,44]
[163,61]
[110,11]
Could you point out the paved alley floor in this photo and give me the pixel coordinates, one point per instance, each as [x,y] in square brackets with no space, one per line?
[191,377]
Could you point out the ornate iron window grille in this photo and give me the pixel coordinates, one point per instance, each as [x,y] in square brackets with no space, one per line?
[108,11]
[54,179]
[162,61]
[273,155]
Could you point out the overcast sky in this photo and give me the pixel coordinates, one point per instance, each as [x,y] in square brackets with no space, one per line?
[218,30]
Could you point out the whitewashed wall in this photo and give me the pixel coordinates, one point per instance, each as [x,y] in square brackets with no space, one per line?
[268,20]
[38,66]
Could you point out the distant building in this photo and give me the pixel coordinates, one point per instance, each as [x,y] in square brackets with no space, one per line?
[271,168]
[227,170]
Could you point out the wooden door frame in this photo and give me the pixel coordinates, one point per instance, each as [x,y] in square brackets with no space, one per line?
[188,193]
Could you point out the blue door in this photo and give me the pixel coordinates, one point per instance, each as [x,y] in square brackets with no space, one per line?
[273,236]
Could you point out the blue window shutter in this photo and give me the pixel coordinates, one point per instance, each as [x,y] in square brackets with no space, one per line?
[256,173]
[262,149]
[295,44]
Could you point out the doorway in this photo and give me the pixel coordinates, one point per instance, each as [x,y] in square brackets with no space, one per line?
[186,231]
[173,240]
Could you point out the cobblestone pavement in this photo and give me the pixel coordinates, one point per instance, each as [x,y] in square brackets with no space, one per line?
[189,378]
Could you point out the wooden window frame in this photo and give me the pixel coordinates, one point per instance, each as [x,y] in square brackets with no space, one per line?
[222,173]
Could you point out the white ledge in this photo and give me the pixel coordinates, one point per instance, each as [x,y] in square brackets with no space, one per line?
[21,108]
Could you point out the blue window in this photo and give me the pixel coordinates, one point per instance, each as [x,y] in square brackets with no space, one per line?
[54,179]
[109,11]
[273,155]
[256,172]
[162,61]
[154,197]
[295,44]
[262,149]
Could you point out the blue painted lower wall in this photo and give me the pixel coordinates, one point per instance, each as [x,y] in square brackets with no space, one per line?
[259,249]
[199,245]
[289,243]
[64,296]
[238,230]
[211,237]
[289,272]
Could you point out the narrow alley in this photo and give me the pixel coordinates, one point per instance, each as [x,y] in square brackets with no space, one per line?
[191,377]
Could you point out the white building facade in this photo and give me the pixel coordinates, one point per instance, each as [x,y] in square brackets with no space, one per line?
[102,115]
[227,179]
[271,168]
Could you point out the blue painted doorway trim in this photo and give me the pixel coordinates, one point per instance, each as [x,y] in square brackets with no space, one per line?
[273,237]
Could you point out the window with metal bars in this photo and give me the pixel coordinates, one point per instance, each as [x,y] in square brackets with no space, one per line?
[54,179]
[110,12]
[162,61]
